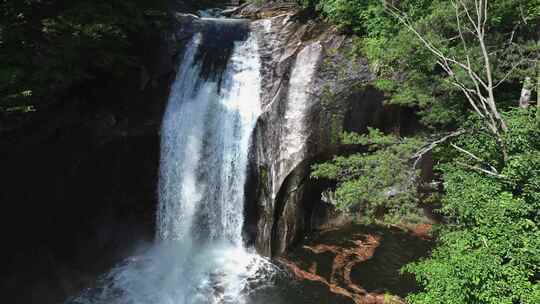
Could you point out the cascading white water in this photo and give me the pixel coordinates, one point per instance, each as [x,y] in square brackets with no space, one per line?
[205,142]
[199,256]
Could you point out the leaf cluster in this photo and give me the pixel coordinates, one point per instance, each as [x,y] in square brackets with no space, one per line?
[489,251]
[378,181]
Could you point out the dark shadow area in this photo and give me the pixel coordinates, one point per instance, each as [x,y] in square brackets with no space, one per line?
[217,45]
[72,210]
[372,112]
[78,178]
[286,290]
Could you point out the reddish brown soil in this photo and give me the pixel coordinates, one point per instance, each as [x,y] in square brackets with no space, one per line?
[358,249]
[422,231]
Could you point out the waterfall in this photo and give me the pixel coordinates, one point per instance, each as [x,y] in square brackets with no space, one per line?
[205,141]
[198,255]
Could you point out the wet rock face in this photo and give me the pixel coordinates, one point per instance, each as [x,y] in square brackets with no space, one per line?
[312,91]
[293,130]
[267,9]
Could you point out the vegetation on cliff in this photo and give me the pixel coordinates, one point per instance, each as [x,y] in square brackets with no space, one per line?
[465,66]
[49,47]
[378,181]
[410,73]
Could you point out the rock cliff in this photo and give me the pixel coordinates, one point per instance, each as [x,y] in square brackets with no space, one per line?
[314,88]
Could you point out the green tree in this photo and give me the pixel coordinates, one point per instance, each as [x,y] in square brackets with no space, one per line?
[47,47]
[433,79]
[466,73]
[378,181]
[489,251]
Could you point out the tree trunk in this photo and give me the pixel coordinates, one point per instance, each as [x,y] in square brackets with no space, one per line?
[526,93]
[538,96]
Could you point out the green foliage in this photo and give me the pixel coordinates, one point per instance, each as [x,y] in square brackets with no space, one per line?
[391,299]
[257,2]
[489,250]
[489,247]
[409,73]
[378,181]
[46,47]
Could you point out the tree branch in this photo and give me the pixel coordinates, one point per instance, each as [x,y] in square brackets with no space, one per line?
[478,159]
[418,155]
[482,97]
[481,170]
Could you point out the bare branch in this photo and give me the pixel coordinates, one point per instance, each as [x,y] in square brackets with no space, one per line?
[480,93]
[478,159]
[522,14]
[466,10]
[485,14]
[514,67]
[418,155]
[481,170]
